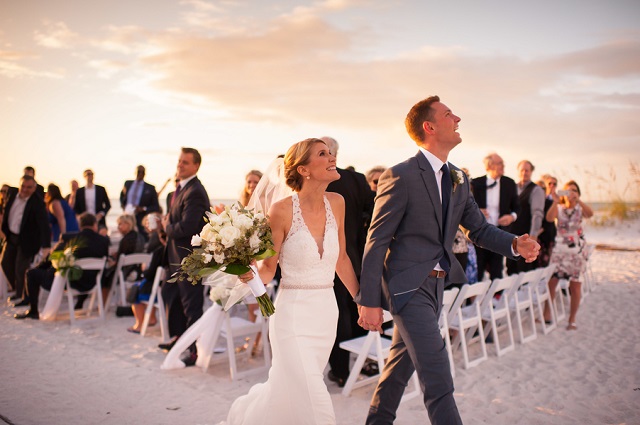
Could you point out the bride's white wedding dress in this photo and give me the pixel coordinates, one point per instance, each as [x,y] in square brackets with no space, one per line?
[302,332]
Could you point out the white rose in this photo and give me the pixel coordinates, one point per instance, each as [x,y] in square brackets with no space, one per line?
[259,216]
[243,222]
[208,234]
[228,234]
[219,258]
[196,240]
[254,242]
[207,258]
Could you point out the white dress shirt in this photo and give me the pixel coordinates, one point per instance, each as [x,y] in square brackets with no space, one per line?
[436,164]
[90,199]
[16,214]
[493,201]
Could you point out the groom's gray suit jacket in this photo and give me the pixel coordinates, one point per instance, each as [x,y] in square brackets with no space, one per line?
[404,243]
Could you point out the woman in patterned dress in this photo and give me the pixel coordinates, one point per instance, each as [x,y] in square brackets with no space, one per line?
[569,254]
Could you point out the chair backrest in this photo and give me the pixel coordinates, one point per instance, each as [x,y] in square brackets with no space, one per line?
[137,258]
[504,284]
[519,291]
[467,291]
[448,298]
[93,263]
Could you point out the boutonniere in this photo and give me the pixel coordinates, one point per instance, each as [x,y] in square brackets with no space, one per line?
[457,177]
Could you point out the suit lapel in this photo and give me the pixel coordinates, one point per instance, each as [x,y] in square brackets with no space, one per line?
[429,179]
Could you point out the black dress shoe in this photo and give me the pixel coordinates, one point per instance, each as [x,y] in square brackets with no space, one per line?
[189,358]
[14,298]
[21,303]
[332,377]
[168,345]
[370,368]
[27,315]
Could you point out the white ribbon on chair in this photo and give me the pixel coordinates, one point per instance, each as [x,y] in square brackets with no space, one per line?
[4,284]
[204,331]
[50,310]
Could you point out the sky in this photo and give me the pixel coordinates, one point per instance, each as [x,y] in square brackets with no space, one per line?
[110,84]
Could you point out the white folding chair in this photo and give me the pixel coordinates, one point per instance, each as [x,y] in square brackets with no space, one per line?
[120,284]
[521,303]
[496,314]
[447,302]
[541,296]
[233,328]
[87,264]
[371,346]
[156,301]
[466,320]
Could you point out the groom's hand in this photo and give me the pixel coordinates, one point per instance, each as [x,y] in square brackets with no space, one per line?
[370,318]
[527,247]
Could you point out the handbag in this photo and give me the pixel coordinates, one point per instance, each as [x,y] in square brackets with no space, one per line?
[132,293]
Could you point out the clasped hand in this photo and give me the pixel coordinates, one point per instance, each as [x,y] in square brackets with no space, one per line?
[370,318]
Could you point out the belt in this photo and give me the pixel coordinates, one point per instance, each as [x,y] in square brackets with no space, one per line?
[438,274]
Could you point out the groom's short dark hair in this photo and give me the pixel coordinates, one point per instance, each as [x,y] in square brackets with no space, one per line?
[419,113]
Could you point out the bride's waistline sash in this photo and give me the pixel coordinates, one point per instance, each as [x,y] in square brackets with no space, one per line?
[284,285]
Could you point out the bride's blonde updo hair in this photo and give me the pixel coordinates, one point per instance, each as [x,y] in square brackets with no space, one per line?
[296,156]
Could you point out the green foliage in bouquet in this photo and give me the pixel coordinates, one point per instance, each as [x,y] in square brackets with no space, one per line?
[64,261]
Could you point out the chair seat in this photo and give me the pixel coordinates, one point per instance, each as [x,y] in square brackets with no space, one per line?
[355,345]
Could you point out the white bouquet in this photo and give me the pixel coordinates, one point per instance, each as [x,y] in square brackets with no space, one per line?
[229,242]
[64,261]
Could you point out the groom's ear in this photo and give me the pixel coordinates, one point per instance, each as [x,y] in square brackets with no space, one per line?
[428,127]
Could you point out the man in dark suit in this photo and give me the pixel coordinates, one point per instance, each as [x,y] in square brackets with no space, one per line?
[26,226]
[408,261]
[140,198]
[30,171]
[93,199]
[90,245]
[497,197]
[531,214]
[358,202]
[185,219]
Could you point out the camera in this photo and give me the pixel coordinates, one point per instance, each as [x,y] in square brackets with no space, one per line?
[563,192]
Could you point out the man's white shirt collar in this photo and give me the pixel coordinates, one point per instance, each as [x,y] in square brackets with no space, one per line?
[435,162]
[184,182]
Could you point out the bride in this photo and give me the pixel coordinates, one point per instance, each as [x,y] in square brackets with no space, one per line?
[308,233]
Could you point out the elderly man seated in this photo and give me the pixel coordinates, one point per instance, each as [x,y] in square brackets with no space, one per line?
[90,244]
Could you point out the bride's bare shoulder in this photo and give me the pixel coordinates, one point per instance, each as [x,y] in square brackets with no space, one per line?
[281,209]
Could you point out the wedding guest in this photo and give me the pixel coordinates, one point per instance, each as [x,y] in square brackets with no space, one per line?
[184,220]
[569,254]
[139,198]
[143,288]
[497,197]
[4,197]
[531,201]
[26,227]
[408,261]
[62,219]
[547,239]
[373,175]
[358,207]
[92,198]
[132,242]
[251,180]
[89,245]
[30,171]
[71,197]
[471,270]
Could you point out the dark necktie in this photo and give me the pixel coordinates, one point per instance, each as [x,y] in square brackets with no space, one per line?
[495,182]
[445,183]
[175,195]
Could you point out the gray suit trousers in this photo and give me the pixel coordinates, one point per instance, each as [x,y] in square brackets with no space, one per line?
[417,345]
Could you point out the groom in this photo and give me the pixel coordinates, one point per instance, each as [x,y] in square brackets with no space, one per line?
[408,261]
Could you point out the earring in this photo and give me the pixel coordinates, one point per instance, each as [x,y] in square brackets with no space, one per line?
[308,177]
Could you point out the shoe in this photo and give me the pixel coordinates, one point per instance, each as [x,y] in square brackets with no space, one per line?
[489,338]
[189,358]
[332,377]
[27,315]
[133,331]
[168,345]
[13,298]
[572,326]
[370,369]
[21,303]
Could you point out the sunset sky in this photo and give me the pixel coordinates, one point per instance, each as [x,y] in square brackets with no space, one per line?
[110,84]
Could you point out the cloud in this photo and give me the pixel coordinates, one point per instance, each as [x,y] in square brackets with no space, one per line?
[108,68]
[56,35]
[11,68]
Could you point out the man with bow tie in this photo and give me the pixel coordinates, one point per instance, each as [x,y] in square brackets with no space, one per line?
[497,197]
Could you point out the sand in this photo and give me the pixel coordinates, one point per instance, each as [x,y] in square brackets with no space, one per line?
[97,373]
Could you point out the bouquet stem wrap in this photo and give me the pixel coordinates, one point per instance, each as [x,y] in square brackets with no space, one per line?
[257,288]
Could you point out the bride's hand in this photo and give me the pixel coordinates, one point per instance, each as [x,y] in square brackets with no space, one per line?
[246,277]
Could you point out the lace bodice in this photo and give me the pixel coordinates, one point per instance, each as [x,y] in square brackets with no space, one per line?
[300,261]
